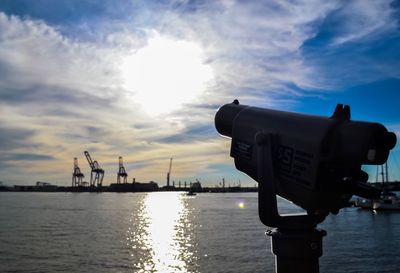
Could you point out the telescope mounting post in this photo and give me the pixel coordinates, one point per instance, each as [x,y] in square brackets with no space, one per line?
[296,242]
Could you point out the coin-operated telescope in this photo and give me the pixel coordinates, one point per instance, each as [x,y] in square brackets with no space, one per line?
[313,161]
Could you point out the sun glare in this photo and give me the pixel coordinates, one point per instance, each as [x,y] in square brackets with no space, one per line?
[165,74]
[159,237]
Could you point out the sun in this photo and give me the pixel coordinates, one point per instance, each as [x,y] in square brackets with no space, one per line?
[165,74]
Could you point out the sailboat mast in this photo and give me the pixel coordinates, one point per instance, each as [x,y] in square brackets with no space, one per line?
[387,173]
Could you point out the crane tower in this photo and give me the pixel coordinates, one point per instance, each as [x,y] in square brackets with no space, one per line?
[77,175]
[169,171]
[121,172]
[97,173]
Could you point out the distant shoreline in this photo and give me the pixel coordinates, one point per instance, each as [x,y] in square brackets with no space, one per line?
[128,187]
[148,187]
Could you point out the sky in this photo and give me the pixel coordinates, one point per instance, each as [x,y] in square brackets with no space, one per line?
[143,80]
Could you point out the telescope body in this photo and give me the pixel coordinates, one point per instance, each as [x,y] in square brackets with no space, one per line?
[316,160]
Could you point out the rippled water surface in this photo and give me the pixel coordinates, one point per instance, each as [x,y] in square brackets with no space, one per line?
[172,232]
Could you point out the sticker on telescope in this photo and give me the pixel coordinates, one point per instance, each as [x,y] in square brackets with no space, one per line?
[285,158]
[242,149]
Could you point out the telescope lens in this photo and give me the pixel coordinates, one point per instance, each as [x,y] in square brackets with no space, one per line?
[387,140]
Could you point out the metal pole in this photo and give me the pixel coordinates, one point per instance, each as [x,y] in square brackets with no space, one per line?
[386,172]
[298,250]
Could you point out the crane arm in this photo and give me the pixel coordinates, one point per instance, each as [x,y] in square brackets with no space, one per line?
[170,165]
[89,159]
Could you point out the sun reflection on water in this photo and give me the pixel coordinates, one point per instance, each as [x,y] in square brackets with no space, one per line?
[160,235]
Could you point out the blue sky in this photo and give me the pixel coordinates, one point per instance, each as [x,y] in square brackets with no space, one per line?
[143,79]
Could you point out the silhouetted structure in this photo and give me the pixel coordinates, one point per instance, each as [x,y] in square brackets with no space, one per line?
[97,173]
[121,172]
[169,171]
[196,186]
[133,187]
[77,175]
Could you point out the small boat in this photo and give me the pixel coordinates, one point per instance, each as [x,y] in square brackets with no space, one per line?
[363,203]
[388,201]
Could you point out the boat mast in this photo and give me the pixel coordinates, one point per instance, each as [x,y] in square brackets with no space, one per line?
[387,172]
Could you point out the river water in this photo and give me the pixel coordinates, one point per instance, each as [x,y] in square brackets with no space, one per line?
[172,232]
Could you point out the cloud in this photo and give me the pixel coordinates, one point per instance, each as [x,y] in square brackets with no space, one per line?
[355,44]
[262,51]
[43,57]
[190,134]
[358,20]
[13,137]
[62,92]
[51,90]
[254,46]
[25,157]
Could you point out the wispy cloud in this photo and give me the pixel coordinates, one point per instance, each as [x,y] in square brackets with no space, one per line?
[359,20]
[355,45]
[14,137]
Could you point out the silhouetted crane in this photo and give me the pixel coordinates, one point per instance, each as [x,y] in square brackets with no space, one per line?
[77,175]
[97,173]
[169,171]
[121,172]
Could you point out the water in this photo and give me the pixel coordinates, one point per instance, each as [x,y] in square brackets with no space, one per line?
[172,232]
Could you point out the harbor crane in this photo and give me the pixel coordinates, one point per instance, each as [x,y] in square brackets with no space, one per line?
[97,173]
[77,175]
[122,172]
[169,171]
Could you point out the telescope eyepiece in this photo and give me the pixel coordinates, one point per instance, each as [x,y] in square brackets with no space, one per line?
[387,140]
[225,116]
